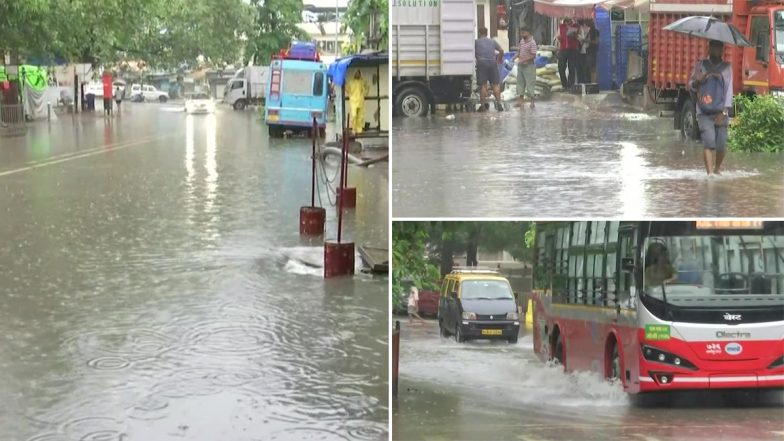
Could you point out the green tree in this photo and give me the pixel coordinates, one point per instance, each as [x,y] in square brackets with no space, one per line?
[359,17]
[758,126]
[470,236]
[409,264]
[274,27]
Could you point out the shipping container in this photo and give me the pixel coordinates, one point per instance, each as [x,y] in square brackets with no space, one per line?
[432,45]
[672,56]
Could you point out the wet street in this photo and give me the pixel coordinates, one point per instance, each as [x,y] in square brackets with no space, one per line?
[569,159]
[496,390]
[153,286]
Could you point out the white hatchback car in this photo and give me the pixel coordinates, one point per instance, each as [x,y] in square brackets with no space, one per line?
[199,102]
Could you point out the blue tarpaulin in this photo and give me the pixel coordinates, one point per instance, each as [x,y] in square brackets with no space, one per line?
[337,70]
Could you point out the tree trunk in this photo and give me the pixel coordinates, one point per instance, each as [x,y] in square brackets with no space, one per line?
[471,253]
[447,254]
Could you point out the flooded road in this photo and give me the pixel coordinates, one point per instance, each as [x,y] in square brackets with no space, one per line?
[568,159]
[495,390]
[153,286]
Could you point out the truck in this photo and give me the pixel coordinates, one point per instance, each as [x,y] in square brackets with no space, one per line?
[432,45]
[247,86]
[672,56]
[297,91]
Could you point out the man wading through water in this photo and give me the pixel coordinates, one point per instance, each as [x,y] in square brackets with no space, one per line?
[526,69]
[487,69]
[712,81]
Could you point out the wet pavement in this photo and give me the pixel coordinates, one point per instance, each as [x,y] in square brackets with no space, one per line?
[484,390]
[153,286]
[566,158]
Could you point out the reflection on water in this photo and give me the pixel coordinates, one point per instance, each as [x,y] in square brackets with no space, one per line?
[564,159]
[144,302]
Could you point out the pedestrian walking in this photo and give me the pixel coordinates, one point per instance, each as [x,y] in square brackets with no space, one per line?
[413,305]
[118,97]
[526,68]
[485,50]
[567,52]
[711,80]
[593,50]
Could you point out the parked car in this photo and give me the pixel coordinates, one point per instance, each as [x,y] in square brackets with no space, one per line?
[149,93]
[199,103]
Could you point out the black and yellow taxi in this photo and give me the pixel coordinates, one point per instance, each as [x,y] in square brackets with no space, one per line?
[477,303]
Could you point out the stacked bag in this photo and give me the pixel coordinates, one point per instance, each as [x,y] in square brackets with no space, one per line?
[547,78]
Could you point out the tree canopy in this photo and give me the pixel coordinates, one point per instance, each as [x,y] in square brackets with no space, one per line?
[358,17]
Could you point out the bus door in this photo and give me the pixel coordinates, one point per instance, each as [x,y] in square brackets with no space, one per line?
[625,286]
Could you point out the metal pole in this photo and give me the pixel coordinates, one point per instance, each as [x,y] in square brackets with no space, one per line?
[313,178]
[341,187]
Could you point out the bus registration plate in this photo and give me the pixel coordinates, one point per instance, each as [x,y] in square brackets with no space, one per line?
[491,332]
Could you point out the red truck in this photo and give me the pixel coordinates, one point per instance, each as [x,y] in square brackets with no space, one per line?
[672,56]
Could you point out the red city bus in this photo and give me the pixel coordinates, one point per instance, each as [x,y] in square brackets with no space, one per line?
[663,305]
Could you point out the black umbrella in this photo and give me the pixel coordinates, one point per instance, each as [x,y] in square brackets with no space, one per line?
[710,28]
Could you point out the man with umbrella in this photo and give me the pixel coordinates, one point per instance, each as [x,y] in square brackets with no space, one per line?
[713,126]
[711,80]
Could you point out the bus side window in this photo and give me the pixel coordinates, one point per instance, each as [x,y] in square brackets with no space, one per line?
[318,84]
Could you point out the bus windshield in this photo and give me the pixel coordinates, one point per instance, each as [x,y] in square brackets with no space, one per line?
[715,271]
[486,289]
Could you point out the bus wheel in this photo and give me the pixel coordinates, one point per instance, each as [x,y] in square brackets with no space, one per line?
[459,337]
[558,353]
[689,127]
[615,363]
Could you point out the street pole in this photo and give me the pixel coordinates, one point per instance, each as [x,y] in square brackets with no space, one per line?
[337,31]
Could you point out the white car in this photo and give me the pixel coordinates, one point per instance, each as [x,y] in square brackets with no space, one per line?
[199,103]
[149,93]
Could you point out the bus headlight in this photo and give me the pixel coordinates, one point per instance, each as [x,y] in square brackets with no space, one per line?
[653,354]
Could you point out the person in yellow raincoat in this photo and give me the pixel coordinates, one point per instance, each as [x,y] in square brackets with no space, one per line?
[357,90]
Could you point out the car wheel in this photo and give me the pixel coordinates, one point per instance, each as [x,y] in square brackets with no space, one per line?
[444,332]
[459,337]
[689,126]
[513,340]
[558,353]
[162,99]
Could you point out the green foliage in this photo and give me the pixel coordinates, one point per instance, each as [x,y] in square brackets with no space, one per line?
[359,16]
[758,126]
[409,265]
[530,236]
[163,33]
[274,27]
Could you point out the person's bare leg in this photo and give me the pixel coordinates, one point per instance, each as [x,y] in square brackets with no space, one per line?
[419,318]
[497,92]
[520,101]
[719,159]
[710,157]
[483,94]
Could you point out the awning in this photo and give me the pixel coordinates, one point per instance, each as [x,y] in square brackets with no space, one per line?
[337,70]
[581,8]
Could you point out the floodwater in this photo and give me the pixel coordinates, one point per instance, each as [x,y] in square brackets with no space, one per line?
[153,286]
[496,390]
[570,159]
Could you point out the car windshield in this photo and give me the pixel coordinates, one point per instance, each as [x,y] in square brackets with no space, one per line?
[721,271]
[486,289]
[198,96]
[780,32]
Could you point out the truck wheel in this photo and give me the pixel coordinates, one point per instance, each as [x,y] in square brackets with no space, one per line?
[162,99]
[689,127]
[412,102]
[239,105]
[274,131]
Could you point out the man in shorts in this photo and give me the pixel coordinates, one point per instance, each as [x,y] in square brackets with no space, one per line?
[413,305]
[526,69]
[487,69]
[713,128]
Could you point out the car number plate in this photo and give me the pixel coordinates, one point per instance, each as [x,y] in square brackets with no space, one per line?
[491,332]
